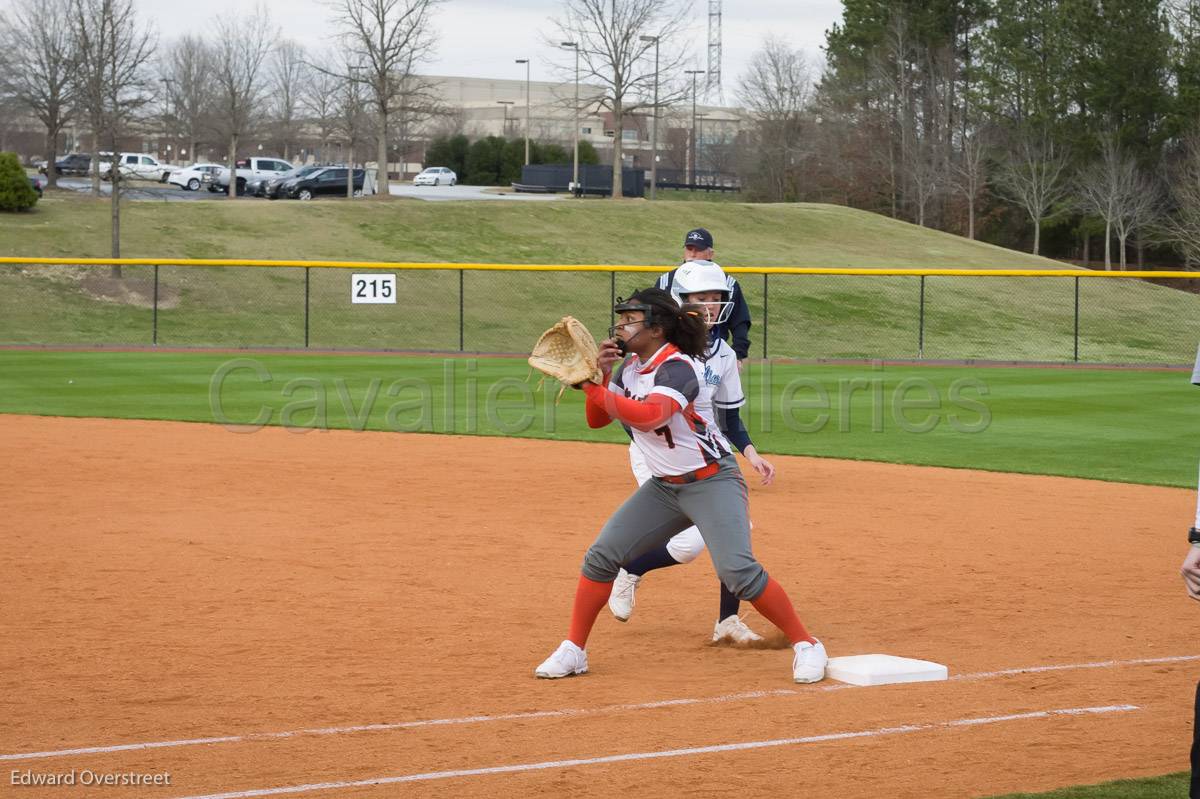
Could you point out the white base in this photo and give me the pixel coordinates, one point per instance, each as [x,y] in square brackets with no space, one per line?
[884,670]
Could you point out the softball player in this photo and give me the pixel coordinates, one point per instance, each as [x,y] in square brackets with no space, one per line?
[1191,578]
[696,480]
[702,283]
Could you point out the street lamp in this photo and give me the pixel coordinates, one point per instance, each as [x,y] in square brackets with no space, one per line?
[654,124]
[506,104]
[700,135]
[525,61]
[166,82]
[575,170]
[694,73]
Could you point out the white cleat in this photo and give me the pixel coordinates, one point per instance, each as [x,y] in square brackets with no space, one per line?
[735,630]
[567,660]
[621,600]
[809,663]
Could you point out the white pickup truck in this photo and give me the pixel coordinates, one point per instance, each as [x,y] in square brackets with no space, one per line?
[135,165]
[246,168]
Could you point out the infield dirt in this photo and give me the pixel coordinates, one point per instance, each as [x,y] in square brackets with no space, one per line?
[168,581]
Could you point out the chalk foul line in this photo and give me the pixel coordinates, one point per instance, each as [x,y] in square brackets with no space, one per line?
[564,712]
[696,750]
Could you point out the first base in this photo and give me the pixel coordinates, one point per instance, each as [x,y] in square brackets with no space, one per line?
[884,670]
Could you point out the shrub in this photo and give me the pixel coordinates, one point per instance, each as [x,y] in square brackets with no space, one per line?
[485,162]
[15,192]
[449,151]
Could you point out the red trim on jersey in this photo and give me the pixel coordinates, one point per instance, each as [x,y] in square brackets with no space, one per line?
[657,360]
[646,415]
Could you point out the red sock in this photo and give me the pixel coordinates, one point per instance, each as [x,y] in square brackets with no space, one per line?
[590,599]
[773,603]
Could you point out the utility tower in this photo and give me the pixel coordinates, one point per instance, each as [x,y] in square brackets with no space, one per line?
[712,83]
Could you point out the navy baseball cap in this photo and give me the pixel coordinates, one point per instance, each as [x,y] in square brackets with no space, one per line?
[699,238]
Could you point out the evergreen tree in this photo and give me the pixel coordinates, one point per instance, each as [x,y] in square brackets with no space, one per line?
[449,152]
[15,192]
[485,162]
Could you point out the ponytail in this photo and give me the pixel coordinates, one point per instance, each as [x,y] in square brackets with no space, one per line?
[691,332]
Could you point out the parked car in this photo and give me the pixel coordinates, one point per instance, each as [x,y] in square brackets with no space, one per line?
[38,182]
[73,164]
[329,180]
[136,165]
[247,169]
[189,178]
[272,186]
[435,176]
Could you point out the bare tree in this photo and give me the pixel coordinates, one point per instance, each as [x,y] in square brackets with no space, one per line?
[113,53]
[393,37]
[353,124]
[1034,175]
[419,102]
[1102,186]
[776,90]
[319,100]
[1115,189]
[1182,227]
[1140,209]
[188,69]
[970,174]
[243,44]
[288,74]
[40,66]
[612,52]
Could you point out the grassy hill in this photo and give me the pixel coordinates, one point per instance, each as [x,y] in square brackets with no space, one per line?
[810,317]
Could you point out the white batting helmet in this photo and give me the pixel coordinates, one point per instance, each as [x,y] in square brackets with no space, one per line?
[697,276]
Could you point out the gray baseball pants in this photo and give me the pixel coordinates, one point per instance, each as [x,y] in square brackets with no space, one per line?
[658,510]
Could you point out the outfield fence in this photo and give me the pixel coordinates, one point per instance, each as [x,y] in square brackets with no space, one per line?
[1065,315]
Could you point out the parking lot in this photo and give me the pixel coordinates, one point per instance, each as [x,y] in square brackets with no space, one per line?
[147,190]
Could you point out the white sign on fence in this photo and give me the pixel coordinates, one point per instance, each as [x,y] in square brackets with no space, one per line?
[373,289]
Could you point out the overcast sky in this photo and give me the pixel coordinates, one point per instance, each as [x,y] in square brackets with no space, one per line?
[480,38]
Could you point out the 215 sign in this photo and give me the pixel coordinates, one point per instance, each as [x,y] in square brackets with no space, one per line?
[373,289]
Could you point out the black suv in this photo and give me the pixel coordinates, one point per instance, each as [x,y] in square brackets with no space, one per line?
[73,164]
[330,180]
[271,186]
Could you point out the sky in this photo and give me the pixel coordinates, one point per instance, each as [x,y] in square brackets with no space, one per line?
[481,38]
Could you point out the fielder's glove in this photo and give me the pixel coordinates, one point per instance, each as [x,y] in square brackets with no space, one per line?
[568,353]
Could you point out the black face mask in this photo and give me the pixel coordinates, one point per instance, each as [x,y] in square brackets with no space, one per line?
[622,345]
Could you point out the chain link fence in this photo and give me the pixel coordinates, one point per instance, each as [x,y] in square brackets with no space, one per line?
[1076,318]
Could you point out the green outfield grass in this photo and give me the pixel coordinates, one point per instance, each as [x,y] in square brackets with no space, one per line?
[810,317]
[1171,786]
[1126,426]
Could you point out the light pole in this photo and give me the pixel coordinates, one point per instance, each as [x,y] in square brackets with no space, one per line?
[694,73]
[699,136]
[575,170]
[166,82]
[525,61]
[506,104]
[654,124]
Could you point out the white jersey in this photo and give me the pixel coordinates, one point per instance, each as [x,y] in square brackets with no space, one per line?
[687,441]
[722,386]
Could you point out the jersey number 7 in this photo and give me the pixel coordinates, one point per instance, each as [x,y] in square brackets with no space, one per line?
[665,432]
